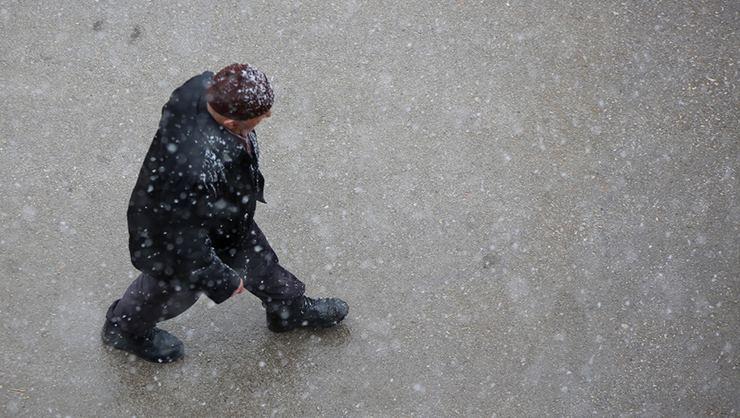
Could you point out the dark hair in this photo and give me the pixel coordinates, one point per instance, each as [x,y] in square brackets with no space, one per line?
[240,92]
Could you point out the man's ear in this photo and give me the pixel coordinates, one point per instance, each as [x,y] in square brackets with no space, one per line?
[230,124]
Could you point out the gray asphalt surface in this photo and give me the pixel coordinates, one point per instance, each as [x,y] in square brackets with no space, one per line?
[531,207]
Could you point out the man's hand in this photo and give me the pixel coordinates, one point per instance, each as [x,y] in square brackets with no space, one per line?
[240,289]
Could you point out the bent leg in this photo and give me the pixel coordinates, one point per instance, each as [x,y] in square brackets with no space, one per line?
[148,301]
[263,276]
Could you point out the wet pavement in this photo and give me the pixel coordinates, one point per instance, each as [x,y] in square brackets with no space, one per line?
[531,209]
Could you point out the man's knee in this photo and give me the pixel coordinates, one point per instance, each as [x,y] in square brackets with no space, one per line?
[149,300]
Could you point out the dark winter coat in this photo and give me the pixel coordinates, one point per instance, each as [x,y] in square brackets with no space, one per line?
[195,196]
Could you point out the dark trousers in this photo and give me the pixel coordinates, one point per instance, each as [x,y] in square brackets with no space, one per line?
[149,300]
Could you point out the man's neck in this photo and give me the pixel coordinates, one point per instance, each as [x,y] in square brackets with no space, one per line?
[220,119]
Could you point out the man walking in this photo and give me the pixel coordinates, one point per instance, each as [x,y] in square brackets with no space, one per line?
[191,219]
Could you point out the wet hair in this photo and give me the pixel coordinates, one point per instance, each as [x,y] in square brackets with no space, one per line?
[240,91]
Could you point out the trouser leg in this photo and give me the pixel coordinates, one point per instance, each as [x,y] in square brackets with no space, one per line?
[149,300]
[263,276]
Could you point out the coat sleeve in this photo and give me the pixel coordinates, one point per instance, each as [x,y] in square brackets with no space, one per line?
[194,250]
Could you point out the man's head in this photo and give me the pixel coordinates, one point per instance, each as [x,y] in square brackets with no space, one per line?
[241,95]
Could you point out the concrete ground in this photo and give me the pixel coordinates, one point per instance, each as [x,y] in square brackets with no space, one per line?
[531,207]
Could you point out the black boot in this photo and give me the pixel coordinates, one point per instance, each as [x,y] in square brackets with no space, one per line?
[156,345]
[304,312]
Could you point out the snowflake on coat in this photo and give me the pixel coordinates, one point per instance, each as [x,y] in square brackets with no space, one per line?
[213,171]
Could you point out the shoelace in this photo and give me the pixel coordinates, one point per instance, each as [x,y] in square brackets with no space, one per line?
[308,303]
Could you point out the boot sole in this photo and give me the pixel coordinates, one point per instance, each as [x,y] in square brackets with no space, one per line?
[280,328]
